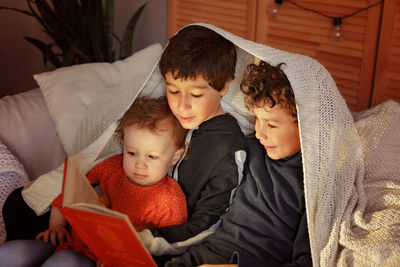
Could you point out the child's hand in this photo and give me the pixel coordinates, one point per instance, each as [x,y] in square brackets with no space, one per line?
[57,232]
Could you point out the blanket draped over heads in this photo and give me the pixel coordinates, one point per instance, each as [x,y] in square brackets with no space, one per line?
[345,228]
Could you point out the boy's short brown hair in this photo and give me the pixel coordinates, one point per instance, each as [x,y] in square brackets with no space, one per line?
[196,50]
[266,84]
[147,113]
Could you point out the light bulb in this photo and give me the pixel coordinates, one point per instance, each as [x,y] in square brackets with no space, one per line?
[274,9]
[336,32]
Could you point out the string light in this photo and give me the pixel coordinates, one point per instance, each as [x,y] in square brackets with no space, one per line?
[273,9]
[336,32]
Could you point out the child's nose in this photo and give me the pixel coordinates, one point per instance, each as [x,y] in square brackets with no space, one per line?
[184,103]
[261,132]
[141,164]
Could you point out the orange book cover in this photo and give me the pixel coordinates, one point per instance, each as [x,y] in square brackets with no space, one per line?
[109,234]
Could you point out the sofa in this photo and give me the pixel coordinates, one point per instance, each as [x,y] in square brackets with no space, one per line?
[40,128]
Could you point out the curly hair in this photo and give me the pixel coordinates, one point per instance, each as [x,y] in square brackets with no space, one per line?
[265,84]
[147,113]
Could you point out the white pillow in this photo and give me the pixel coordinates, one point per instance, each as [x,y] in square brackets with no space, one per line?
[68,91]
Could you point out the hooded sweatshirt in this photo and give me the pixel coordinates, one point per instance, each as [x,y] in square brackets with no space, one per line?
[266,224]
[209,174]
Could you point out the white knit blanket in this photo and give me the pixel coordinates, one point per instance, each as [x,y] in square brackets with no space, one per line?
[370,228]
[12,176]
[352,210]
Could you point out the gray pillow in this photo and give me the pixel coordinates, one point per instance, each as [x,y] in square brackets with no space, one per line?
[28,131]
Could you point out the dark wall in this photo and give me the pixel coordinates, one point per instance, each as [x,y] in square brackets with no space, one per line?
[19,60]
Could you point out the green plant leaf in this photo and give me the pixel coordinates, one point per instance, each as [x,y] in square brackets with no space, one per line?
[126,46]
[48,54]
[69,12]
[38,18]
[17,10]
[97,38]
[82,30]
[98,52]
[46,14]
[112,56]
[81,56]
[58,24]
[42,12]
[68,59]
[117,38]
[108,29]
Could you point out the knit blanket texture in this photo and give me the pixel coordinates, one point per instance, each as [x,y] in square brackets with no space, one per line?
[12,176]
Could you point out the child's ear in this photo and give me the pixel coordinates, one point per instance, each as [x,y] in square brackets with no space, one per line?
[178,154]
[224,90]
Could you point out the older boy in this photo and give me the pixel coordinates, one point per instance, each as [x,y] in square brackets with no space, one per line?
[266,225]
[198,66]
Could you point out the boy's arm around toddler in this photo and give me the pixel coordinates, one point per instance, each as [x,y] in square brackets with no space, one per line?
[209,177]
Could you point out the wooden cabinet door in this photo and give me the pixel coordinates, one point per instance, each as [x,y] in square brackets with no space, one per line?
[387,78]
[350,61]
[236,16]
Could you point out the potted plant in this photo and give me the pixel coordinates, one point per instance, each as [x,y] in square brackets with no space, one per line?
[81,30]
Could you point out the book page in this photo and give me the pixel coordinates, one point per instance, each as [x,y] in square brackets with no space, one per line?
[77,187]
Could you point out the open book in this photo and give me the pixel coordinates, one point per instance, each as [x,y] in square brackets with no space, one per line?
[109,234]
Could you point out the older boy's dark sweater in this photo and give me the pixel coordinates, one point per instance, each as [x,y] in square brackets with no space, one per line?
[208,175]
[266,224]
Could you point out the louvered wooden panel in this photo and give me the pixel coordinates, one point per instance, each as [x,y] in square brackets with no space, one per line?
[350,61]
[387,81]
[236,16]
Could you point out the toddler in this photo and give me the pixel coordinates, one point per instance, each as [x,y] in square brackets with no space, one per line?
[134,183]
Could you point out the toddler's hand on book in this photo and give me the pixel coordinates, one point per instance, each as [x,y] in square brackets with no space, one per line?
[57,230]
[54,234]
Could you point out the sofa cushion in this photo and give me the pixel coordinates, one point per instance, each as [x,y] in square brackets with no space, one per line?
[29,133]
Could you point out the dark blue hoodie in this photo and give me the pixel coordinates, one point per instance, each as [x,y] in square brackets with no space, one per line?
[266,224]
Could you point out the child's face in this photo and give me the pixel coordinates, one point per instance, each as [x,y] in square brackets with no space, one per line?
[193,101]
[147,156]
[277,131]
